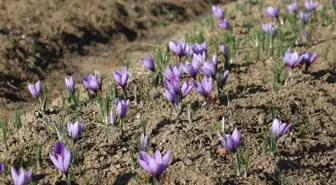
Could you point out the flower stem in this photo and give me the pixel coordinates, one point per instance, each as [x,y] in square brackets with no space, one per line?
[68,179]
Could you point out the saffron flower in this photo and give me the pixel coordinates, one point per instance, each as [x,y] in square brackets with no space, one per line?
[200,48]
[188,50]
[209,68]
[269,28]
[61,157]
[155,165]
[200,58]
[310,5]
[21,177]
[308,58]
[231,142]
[171,96]
[143,142]
[173,84]
[122,107]
[293,7]
[75,130]
[148,63]
[304,17]
[185,89]
[224,77]
[192,69]
[224,24]
[223,50]
[279,128]
[218,12]
[291,59]
[171,72]
[91,82]
[272,11]
[179,48]
[121,77]
[36,89]
[70,83]
[205,87]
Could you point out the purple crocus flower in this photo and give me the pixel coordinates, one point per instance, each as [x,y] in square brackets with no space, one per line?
[179,48]
[192,69]
[2,166]
[171,96]
[231,142]
[91,82]
[224,77]
[121,77]
[188,50]
[218,12]
[173,84]
[122,107]
[200,48]
[36,89]
[155,165]
[205,87]
[171,72]
[223,50]
[143,142]
[61,157]
[293,7]
[112,118]
[269,28]
[304,17]
[291,59]
[224,24]
[148,63]
[21,177]
[272,11]
[186,88]
[333,1]
[308,58]
[209,68]
[70,83]
[310,5]
[75,130]
[279,128]
[200,58]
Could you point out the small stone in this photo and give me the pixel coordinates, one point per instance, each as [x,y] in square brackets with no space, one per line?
[188,162]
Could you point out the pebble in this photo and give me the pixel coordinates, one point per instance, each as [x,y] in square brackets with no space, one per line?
[188,162]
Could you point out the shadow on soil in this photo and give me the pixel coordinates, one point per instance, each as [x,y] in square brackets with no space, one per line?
[124,178]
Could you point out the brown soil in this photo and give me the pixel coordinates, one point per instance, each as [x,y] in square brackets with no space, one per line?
[307,152]
[50,39]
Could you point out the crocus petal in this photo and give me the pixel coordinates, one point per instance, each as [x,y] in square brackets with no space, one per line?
[55,159]
[145,156]
[275,125]
[158,156]
[165,159]
[145,166]
[21,177]
[154,167]
[67,160]
[236,136]
[14,175]
[28,175]
[38,86]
